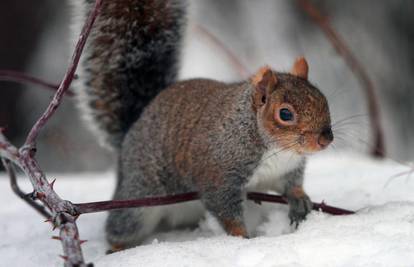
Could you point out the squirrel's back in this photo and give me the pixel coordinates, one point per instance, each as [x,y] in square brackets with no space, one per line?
[192,126]
[131,55]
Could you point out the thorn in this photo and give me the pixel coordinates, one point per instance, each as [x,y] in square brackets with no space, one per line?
[322,205]
[56,238]
[48,220]
[54,227]
[32,152]
[82,241]
[52,183]
[65,258]
[40,195]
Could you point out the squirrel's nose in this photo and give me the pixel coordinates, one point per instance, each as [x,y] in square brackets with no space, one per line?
[325,137]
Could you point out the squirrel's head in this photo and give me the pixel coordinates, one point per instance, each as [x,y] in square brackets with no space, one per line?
[291,112]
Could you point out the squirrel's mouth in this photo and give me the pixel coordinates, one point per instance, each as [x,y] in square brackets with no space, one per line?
[307,142]
[311,142]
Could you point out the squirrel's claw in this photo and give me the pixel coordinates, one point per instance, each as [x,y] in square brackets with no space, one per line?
[299,209]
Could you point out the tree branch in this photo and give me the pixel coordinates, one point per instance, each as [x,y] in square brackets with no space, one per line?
[15,76]
[165,200]
[63,212]
[356,67]
[259,197]
[135,203]
[28,198]
[67,79]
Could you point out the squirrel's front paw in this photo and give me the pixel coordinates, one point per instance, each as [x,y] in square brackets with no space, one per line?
[299,207]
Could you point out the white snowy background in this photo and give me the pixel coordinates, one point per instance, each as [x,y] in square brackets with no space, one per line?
[380,234]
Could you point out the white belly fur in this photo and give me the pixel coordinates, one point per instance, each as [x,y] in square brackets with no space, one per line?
[274,164]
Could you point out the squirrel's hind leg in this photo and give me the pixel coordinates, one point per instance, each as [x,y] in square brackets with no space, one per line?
[129,227]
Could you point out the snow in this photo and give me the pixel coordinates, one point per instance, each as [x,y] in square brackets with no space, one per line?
[380,234]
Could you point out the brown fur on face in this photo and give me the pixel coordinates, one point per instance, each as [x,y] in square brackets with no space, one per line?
[264,81]
[307,103]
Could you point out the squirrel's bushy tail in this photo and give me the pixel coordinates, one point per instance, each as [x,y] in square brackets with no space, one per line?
[131,55]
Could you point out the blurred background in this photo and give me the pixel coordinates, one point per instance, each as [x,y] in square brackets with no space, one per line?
[36,38]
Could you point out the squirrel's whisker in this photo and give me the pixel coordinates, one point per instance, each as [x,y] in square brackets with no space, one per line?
[285,149]
[359,139]
[349,118]
[347,123]
[334,94]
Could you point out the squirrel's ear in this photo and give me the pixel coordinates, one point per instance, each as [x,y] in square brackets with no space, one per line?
[265,82]
[300,68]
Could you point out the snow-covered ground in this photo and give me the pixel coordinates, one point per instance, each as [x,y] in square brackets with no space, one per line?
[380,234]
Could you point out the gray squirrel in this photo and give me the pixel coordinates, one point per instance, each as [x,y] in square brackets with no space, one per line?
[201,135]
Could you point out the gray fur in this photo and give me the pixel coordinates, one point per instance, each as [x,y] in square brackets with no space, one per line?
[132,54]
[232,147]
[298,207]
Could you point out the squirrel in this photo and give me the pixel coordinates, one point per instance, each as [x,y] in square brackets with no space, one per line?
[171,137]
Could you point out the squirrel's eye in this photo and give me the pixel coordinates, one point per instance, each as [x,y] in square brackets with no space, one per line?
[285,114]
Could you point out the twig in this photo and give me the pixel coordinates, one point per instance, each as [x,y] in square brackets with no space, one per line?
[155,201]
[357,69]
[67,79]
[63,212]
[16,189]
[143,202]
[234,60]
[259,197]
[15,76]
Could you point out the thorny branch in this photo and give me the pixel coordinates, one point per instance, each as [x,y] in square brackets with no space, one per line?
[92,207]
[28,198]
[261,197]
[67,79]
[63,212]
[155,201]
[357,68]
